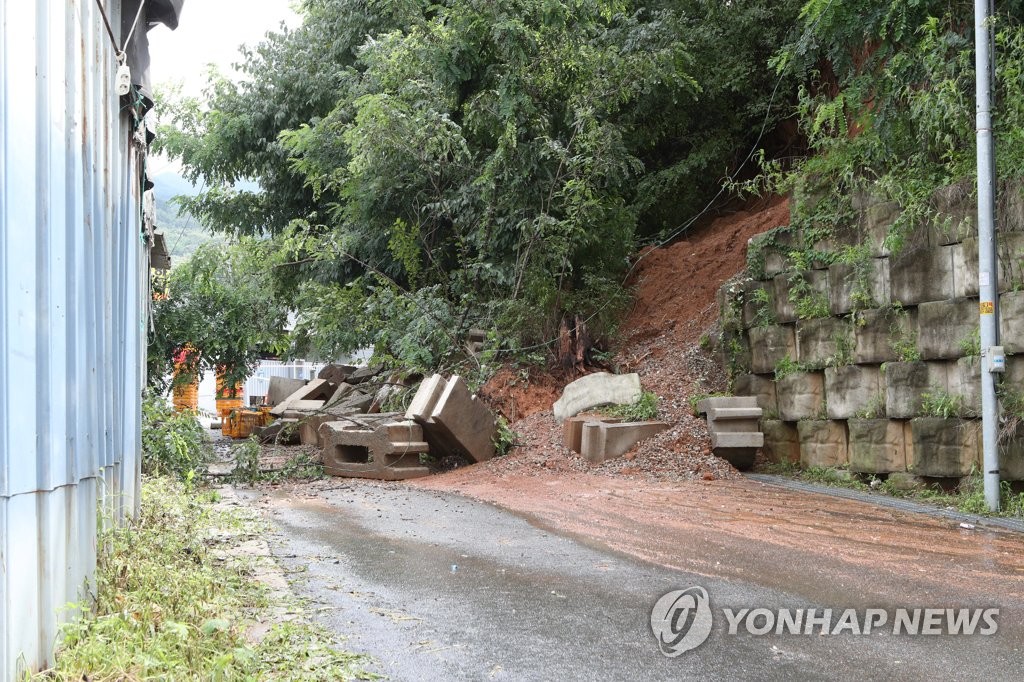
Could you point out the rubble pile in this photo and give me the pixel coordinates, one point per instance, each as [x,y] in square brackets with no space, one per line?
[340,412]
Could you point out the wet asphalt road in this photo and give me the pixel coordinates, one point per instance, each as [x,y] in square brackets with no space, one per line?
[438,587]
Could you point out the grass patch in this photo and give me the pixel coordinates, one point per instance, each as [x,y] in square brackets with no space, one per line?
[170,606]
[644,409]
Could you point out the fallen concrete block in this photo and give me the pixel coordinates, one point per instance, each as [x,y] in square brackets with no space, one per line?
[356,401]
[465,421]
[281,388]
[281,432]
[708,404]
[315,390]
[572,429]
[336,374]
[426,397]
[363,374]
[340,394]
[597,389]
[389,452]
[603,440]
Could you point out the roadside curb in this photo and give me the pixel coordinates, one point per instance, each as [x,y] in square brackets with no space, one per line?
[883,500]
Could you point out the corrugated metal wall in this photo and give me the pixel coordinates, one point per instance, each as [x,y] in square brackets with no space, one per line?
[73,295]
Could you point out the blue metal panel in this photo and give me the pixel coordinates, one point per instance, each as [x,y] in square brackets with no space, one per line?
[73,299]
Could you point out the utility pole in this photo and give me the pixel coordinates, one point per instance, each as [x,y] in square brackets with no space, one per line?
[992,359]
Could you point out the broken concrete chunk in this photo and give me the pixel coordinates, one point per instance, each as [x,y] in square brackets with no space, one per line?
[390,451]
[465,421]
[339,394]
[597,389]
[281,388]
[282,432]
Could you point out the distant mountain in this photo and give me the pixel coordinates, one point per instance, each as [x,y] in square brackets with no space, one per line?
[183,232]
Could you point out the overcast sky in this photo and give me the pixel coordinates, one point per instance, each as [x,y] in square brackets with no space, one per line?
[210,32]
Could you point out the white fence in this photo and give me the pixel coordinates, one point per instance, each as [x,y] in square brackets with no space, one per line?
[259,382]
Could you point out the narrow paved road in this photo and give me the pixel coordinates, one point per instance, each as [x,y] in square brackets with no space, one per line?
[434,586]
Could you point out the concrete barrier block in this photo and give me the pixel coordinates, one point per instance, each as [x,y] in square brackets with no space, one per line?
[597,389]
[877,446]
[466,422]
[907,382]
[823,443]
[801,395]
[922,275]
[1010,250]
[957,209]
[760,387]
[781,441]
[1011,321]
[769,346]
[572,429]
[602,440]
[945,448]
[853,389]
[875,220]
[821,342]
[389,451]
[317,390]
[875,332]
[1010,208]
[858,287]
[944,326]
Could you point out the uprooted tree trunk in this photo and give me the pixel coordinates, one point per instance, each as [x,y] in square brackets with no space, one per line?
[574,343]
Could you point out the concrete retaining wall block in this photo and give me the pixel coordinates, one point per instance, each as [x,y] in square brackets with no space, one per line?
[876,332]
[921,275]
[944,326]
[945,448]
[760,387]
[781,441]
[770,345]
[820,342]
[906,382]
[851,288]
[877,446]
[801,395]
[853,389]
[823,443]
[1011,321]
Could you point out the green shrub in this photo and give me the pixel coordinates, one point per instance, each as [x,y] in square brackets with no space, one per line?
[173,443]
[644,409]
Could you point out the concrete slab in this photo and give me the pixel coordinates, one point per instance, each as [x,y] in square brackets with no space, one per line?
[315,390]
[335,373]
[281,388]
[426,397]
[597,389]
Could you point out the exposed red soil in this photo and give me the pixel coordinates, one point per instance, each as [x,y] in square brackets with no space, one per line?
[519,394]
[676,285]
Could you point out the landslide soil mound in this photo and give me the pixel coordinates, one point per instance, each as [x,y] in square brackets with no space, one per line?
[674,307]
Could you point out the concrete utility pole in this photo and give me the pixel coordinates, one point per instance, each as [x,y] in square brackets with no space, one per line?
[992,359]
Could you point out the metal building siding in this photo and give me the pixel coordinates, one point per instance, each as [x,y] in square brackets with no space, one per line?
[73,295]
